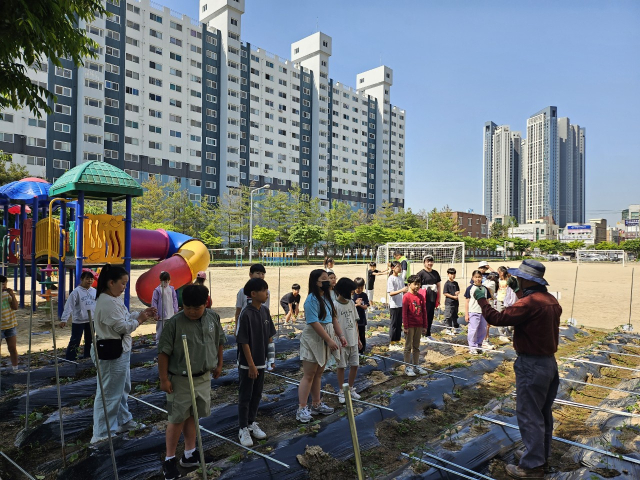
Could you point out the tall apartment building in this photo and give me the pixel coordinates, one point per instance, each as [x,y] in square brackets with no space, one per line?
[505,170]
[487,171]
[537,176]
[572,169]
[541,167]
[188,101]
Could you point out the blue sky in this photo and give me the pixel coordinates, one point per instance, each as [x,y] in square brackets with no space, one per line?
[458,64]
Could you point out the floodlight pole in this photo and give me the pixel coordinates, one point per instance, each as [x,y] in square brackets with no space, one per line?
[251,219]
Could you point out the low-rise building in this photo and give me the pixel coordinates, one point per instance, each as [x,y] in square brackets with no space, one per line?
[590,233]
[534,231]
[472,224]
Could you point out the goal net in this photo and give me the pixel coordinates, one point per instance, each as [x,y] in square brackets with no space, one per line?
[445,255]
[609,256]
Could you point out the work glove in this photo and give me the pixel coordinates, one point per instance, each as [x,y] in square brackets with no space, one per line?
[480,293]
[512,283]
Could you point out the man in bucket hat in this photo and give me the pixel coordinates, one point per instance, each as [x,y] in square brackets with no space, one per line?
[536,320]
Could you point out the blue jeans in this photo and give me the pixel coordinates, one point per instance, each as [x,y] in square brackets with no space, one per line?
[77,330]
[116,378]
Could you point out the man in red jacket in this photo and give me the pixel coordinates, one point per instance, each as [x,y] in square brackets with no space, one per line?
[536,320]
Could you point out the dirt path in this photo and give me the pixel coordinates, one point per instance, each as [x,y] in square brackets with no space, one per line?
[602,295]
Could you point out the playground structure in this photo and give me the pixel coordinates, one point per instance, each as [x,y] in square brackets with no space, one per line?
[277,256]
[60,230]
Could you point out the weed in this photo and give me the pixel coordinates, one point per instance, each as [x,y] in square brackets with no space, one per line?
[87,402]
[236,458]
[143,387]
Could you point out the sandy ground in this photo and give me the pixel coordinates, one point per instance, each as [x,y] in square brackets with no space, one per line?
[601,300]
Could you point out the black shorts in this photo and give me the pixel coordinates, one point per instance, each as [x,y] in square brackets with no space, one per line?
[285,307]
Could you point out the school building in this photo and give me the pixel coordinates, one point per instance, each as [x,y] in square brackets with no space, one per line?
[190,101]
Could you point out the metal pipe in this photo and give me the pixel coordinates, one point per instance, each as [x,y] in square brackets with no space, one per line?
[59,358]
[279,302]
[575,284]
[194,405]
[55,362]
[466,346]
[599,386]
[127,249]
[217,435]
[34,221]
[568,442]
[104,400]
[294,382]
[438,372]
[629,327]
[600,363]
[26,416]
[17,466]
[80,239]
[457,466]
[439,467]
[595,408]
[352,428]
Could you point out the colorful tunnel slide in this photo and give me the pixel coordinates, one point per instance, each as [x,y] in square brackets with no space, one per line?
[180,255]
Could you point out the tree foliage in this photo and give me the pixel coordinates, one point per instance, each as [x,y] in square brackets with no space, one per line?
[34,31]
[632,246]
[9,171]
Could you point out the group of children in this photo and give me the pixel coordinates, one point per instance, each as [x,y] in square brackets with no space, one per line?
[335,327]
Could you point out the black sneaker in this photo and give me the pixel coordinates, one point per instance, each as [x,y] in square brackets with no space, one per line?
[194,460]
[170,469]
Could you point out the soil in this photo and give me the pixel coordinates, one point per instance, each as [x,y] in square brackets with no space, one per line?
[606,310]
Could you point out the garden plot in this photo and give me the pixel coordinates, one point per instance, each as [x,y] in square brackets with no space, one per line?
[433,413]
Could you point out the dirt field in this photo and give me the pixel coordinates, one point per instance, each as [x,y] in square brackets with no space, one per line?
[602,295]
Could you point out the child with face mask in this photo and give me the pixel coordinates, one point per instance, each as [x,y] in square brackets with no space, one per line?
[165,300]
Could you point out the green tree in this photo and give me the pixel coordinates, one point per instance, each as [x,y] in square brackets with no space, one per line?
[549,246]
[607,246]
[34,31]
[372,234]
[444,220]
[344,240]
[274,210]
[305,234]
[632,246]
[9,171]
[266,236]
[498,230]
[520,245]
[340,218]
[575,245]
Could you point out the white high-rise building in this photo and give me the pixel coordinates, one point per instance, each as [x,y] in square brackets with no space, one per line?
[505,169]
[188,101]
[540,170]
[487,172]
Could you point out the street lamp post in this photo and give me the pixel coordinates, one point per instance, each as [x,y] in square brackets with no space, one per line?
[251,219]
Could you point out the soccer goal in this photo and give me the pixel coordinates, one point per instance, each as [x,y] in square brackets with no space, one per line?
[609,256]
[445,255]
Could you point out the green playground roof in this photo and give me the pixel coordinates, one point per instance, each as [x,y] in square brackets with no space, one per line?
[98,181]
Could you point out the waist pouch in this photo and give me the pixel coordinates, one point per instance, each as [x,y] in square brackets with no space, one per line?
[109,349]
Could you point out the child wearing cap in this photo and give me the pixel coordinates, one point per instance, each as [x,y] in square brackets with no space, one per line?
[165,300]
[200,279]
[80,302]
[205,340]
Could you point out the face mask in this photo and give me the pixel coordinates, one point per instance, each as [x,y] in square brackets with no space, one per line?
[326,285]
[165,284]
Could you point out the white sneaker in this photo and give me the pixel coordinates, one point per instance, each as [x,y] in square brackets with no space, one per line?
[304,415]
[431,339]
[245,437]
[130,425]
[408,371]
[421,371]
[487,345]
[256,431]
[354,394]
[321,409]
[395,347]
[341,396]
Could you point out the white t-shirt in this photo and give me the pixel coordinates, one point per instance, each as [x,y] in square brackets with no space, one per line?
[474,307]
[241,299]
[394,284]
[348,318]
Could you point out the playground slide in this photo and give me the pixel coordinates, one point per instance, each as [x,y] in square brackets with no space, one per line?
[179,255]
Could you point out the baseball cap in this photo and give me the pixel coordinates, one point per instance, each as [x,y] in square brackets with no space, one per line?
[427,257]
[202,274]
[483,264]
